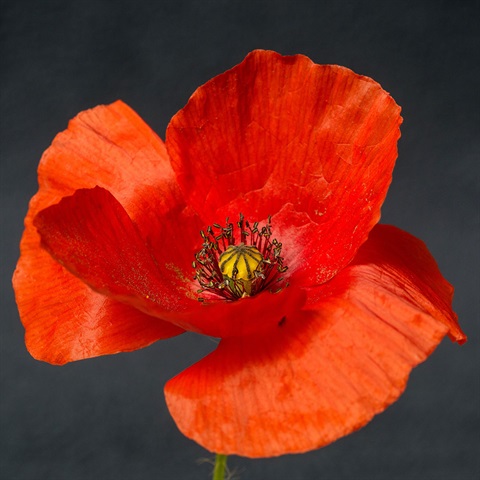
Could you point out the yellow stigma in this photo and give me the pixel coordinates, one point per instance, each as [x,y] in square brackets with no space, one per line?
[239,264]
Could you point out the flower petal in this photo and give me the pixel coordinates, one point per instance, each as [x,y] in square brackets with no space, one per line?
[109,146]
[94,238]
[276,130]
[414,274]
[247,316]
[65,320]
[112,147]
[330,370]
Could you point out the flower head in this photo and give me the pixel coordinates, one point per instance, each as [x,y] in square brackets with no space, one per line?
[271,182]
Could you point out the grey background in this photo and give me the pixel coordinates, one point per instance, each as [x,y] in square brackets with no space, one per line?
[106,418]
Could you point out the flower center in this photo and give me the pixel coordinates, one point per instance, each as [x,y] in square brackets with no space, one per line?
[232,270]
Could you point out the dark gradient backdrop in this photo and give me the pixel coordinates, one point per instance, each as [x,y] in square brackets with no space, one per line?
[106,418]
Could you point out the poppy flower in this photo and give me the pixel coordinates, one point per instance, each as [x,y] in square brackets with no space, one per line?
[255,223]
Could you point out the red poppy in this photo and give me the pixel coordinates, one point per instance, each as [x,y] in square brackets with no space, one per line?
[322,313]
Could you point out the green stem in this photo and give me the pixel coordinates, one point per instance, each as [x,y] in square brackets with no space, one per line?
[219,469]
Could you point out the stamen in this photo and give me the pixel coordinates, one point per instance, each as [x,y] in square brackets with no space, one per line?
[234,271]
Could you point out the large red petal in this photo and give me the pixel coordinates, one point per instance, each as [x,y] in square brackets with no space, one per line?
[112,147]
[276,130]
[92,236]
[327,372]
[406,266]
[109,146]
[65,320]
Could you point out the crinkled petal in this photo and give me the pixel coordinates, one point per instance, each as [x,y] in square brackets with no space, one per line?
[327,370]
[92,236]
[407,268]
[276,130]
[65,320]
[112,147]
